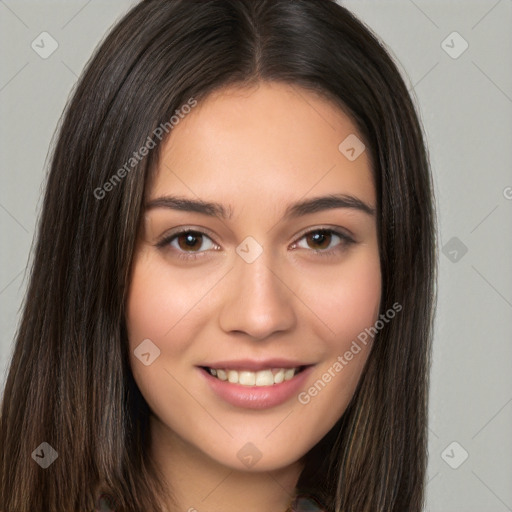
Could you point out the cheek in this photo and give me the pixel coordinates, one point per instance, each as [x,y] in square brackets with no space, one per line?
[348,304]
[160,302]
[345,299]
[147,306]
[160,307]
[153,311]
[169,307]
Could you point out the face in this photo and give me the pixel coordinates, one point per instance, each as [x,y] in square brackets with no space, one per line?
[270,297]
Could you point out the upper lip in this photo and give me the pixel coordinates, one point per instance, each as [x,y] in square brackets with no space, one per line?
[255,365]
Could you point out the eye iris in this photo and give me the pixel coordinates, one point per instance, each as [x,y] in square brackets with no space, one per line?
[320,236]
[190,240]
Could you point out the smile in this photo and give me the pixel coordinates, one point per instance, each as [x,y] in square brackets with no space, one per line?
[267,377]
[257,388]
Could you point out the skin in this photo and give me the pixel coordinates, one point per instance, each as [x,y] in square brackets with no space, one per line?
[255,151]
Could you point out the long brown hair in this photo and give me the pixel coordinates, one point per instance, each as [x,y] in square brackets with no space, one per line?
[70,384]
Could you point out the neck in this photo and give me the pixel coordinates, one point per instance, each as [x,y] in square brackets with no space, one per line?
[200,484]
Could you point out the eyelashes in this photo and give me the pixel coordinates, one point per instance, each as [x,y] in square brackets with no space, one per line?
[179,241]
[192,235]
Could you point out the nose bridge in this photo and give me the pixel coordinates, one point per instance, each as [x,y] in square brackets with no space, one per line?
[257,301]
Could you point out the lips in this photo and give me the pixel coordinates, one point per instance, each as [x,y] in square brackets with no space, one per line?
[256,384]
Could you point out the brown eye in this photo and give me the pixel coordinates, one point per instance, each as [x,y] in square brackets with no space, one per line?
[324,241]
[189,241]
[320,239]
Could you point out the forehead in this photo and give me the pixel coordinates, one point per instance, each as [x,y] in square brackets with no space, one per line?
[273,141]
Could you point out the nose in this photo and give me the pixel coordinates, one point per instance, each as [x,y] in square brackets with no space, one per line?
[258,300]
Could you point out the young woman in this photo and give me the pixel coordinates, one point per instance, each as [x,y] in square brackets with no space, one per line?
[231,300]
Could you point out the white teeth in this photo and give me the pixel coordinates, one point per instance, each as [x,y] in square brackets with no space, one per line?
[261,378]
[279,376]
[264,378]
[288,374]
[247,378]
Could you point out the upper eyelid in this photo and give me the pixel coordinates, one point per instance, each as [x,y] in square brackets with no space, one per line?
[335,229]
[180,231]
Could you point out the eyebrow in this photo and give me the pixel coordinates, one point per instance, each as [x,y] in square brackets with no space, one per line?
[328,202]
[294,210]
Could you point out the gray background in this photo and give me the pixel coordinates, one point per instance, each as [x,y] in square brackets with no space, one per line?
[465,104]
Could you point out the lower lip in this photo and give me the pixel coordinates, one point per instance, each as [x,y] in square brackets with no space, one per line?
[257,397]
